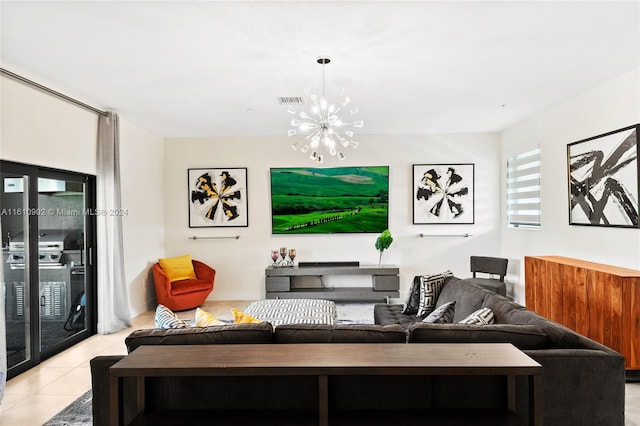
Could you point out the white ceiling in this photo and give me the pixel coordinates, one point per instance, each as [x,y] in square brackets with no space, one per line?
[213,68]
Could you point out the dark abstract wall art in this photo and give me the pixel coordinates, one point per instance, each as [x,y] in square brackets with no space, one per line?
[218,197]
[443,193]
[603,179]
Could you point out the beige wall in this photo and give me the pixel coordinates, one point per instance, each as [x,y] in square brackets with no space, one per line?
[240,263]
[610,106]
[39,129]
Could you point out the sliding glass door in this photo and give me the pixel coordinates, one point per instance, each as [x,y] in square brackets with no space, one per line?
[48,231]
[14,204]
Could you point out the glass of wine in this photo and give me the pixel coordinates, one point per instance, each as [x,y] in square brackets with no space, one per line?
[292,255]
[283,254]
[274,256]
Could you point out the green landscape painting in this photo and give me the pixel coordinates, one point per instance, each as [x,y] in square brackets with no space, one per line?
[329,200]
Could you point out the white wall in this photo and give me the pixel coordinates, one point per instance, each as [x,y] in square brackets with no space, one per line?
[39,129]
[608,107]
[240,263]
[142,169]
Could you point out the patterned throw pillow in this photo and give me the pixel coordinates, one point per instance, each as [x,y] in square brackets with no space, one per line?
[205,319]
[482,316]
[166,318]
[443,314]
[412,303]
[430,286]
[240,317]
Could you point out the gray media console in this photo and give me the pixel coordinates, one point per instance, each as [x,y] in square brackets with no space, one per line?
[280,283]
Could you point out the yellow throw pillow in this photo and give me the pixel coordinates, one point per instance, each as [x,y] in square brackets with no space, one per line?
[240,317]
[205,319]
[178,268]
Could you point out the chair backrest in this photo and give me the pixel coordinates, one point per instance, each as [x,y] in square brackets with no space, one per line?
[489,265]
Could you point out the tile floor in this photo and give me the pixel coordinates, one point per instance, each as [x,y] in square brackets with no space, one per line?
[38,394]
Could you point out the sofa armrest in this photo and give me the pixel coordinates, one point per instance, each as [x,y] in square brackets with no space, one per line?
[580,387]
[100,388]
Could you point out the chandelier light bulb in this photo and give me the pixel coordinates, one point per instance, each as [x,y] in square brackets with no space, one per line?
[322,125]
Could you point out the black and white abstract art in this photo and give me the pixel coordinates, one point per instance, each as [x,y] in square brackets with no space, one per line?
[443,193]
[218,197]
[603,179]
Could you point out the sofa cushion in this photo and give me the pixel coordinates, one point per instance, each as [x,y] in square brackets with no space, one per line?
[219,334]
[521,336]
[384,314]
[412,303]
[205,319]
[430,286]
[442,315]
[559,337]
[240,317]
[178,268]
[469,297]
[501,307]
[482,316]
[166,318]
[354,333]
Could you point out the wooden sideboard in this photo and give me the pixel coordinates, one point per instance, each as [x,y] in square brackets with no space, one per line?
[599,301]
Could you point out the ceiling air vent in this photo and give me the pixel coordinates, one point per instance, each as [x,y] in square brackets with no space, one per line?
[291,100]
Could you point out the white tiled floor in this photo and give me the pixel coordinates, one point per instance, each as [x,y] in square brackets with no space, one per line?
[37,395]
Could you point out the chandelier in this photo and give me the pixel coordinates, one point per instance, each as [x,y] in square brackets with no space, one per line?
[323,128]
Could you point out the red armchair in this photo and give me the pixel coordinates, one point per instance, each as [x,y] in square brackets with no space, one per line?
[184,294]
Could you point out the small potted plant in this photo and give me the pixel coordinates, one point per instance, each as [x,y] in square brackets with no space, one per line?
[383,242]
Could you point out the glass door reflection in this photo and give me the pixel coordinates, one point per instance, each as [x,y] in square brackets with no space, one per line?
[15,258]
[61,265]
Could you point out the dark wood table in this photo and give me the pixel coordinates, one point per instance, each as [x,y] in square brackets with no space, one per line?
[324,360]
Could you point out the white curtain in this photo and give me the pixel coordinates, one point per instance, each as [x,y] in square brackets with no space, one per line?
[113,299]
[3,334]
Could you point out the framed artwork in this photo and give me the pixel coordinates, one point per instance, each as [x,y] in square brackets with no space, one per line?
[331,200]
[218,198]
[603,179]
[443,194]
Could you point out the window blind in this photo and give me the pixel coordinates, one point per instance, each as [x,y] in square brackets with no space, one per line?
[523,190]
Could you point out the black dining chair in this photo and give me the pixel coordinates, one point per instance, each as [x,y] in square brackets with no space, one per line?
[494,267]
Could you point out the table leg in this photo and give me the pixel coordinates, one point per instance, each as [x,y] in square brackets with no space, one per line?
[511,393]
[140,397]
[323,400]
[535,400]
[114,401]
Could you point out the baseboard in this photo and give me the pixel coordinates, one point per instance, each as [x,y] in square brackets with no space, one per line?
[632,376]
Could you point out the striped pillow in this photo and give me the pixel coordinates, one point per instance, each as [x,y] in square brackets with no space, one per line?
[166,318]
[430,286]
[482,316]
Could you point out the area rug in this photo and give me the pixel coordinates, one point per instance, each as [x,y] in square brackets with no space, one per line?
[78,413]
[355,313]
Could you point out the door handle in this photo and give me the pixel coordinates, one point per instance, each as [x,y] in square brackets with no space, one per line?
[43,301]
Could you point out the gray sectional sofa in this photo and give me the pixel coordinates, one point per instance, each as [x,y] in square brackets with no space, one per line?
[583,381]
